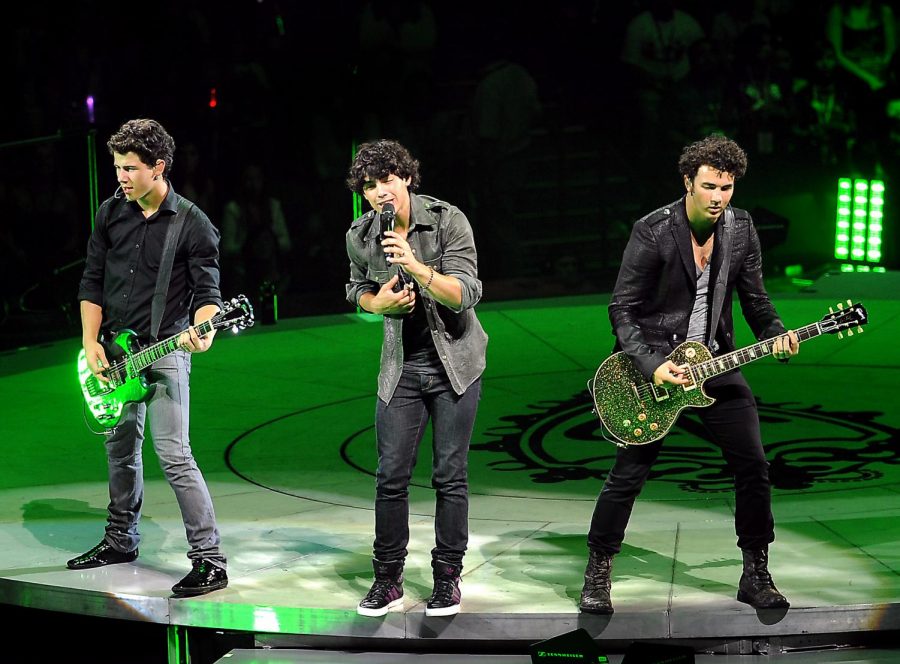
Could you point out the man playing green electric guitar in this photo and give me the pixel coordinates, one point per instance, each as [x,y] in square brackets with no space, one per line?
[137,232]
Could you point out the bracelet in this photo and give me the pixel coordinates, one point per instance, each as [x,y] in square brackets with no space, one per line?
[430,278]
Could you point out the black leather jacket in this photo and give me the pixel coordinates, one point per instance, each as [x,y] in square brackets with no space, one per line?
[651,304]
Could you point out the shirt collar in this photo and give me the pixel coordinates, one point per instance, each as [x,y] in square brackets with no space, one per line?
[420,216]
[169,205]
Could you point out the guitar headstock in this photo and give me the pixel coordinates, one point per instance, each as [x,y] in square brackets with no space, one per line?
[846,317]
[237,313]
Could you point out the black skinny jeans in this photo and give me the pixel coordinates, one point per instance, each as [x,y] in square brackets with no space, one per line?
[733,422]
[400,425]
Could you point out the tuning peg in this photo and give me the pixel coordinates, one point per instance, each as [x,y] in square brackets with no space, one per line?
[840,335]
[849,333]
[831,310]
[860,329]
[849,303]
[840,306]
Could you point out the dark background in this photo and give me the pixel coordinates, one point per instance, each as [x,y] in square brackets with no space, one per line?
[521,114]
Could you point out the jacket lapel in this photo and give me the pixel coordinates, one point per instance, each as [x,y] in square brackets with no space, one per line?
[681,232]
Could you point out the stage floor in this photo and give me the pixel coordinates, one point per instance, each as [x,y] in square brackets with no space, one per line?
[282,427]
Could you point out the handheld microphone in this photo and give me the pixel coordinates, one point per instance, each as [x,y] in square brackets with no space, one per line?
[388,214]
[387,218]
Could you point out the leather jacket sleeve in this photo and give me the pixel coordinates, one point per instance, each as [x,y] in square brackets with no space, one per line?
[755,302]
[638,278]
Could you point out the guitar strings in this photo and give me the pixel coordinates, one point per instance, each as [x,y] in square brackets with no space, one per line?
[763,348]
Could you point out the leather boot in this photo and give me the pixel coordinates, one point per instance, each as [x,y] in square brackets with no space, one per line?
[595,594]
[386,592]
[756,587]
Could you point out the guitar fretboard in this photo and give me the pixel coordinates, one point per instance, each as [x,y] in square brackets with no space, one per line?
[742,356]
[144,358]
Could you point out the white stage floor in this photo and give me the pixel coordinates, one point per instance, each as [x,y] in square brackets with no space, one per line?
[282,428]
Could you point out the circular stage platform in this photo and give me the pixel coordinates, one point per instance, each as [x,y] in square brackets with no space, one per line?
[282,428]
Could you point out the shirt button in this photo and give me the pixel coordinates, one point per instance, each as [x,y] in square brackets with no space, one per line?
[137,246]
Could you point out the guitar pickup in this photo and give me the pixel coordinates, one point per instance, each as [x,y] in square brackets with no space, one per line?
[95,388]
[693,384]
[660,393]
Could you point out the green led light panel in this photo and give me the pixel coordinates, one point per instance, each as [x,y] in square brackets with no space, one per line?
[876,214]
[842,221]
[858,220]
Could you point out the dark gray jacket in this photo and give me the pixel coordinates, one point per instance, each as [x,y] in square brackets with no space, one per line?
[441,237]
[651,304]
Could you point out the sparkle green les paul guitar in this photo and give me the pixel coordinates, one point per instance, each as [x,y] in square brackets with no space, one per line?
[128,364]
[636,411]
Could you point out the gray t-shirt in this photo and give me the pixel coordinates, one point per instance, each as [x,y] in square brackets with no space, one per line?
[700,312]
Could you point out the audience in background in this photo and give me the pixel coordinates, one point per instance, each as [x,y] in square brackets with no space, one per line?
[863,35]
[255,237]
[626,83]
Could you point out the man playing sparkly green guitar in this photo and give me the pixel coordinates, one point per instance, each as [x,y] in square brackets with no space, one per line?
[680,268]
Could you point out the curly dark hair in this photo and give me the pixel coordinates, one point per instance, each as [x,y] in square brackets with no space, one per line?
[147,139]
[378,159]
[717,151]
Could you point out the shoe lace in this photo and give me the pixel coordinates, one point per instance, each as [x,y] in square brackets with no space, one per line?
[444,589]
[381,588]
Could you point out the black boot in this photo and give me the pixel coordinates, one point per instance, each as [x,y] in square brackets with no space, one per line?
[595,594]
[756,587]
[386,591]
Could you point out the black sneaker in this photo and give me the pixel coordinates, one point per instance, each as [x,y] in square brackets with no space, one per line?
[386,592]
[203,578]
[446,597]
[100,555]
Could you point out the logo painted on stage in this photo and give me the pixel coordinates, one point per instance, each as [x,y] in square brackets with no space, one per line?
[807,446]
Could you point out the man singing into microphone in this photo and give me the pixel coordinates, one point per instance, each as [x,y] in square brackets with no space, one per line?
[413,260]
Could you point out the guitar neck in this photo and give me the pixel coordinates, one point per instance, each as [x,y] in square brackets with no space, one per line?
[144,358]
[742,356]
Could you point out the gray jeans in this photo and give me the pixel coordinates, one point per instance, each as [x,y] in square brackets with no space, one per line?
[169,412]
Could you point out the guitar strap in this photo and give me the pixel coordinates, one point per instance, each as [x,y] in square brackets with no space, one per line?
[165,266]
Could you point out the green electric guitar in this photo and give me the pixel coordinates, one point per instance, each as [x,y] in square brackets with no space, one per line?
[128,364]
[636,411]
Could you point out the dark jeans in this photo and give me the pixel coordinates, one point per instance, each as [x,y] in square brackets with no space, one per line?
[734,424]
[400,425]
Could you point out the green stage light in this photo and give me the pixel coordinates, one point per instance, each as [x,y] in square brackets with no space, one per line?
[842,222]
[858,222]
[876,214]
[357,199]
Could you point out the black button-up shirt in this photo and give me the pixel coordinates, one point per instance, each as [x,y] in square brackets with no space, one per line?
[123,257]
